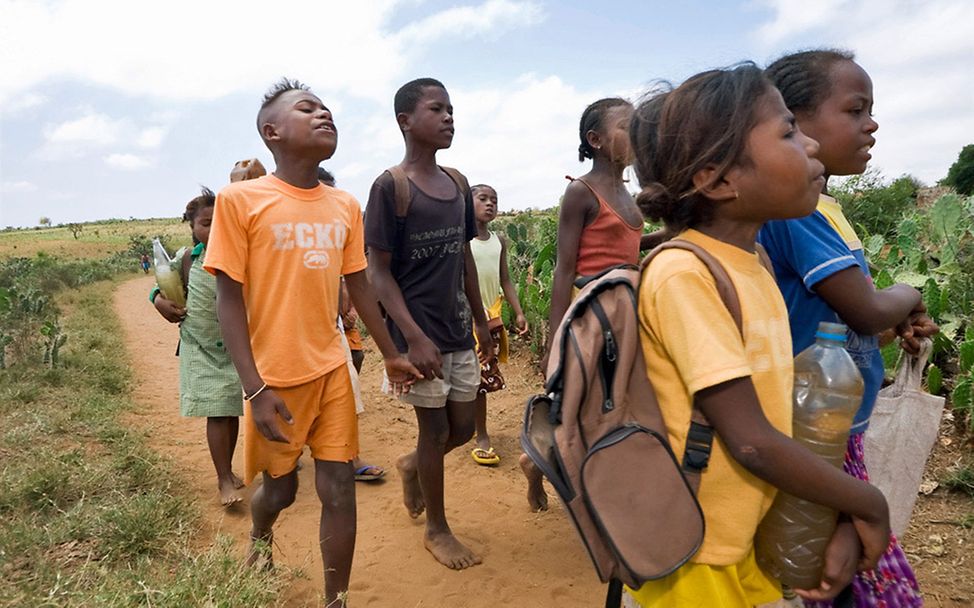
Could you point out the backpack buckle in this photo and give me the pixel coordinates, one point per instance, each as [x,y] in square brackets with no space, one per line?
[696,455]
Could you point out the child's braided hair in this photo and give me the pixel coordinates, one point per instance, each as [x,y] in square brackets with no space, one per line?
[803,77]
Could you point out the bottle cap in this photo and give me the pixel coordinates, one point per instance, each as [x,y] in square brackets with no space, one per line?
[831,331]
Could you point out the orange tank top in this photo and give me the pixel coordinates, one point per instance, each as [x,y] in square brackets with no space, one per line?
[608,241]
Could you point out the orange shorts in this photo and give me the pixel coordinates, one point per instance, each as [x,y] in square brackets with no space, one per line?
[324,417]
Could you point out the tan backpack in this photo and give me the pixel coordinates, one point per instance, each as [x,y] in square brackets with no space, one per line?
[598,436]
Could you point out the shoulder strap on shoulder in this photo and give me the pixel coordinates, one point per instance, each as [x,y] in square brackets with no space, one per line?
[764,257]
[726,289]
[401,188]
[459,179]
[700,435]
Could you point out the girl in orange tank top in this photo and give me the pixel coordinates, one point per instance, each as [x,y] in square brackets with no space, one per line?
[599,225]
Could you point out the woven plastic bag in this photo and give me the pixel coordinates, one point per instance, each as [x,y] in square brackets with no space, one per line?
[901,433]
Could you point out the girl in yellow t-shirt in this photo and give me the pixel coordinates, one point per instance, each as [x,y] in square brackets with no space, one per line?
[716,158]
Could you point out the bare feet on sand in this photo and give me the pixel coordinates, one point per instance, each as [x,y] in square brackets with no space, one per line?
[260,555]
[449,551]
[537,497]
[237,482]
[229,491]
[412,495]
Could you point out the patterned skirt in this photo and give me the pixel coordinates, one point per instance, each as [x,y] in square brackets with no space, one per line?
[892,584]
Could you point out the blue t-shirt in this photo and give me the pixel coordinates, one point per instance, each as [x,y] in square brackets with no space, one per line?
[804,252]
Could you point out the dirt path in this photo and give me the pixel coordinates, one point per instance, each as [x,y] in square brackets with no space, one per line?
[529,559]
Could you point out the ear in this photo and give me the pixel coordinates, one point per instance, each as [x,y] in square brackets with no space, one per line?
[403,119]
[594,139]
[268,131]
[718,188]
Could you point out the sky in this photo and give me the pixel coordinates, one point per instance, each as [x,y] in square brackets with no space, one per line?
[119,109]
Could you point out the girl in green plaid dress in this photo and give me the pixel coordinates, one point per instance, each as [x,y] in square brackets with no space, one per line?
[208,382]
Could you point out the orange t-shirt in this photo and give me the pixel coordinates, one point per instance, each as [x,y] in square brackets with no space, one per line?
[288,247]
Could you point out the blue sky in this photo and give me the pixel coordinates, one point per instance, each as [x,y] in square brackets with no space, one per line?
[122,109]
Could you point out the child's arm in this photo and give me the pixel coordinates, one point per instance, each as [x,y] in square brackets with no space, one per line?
[735,412]
[471,287]
[232,312]
[422,352]
[510,293]
[841,558]
[167,308]
[652,239]
[400,371]
[864,308]
[575,208]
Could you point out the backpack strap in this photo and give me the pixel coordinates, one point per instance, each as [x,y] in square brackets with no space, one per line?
[700,437]
[764,258]
[401,190]
[459,179]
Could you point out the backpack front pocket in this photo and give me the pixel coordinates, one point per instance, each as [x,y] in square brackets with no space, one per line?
[641,503]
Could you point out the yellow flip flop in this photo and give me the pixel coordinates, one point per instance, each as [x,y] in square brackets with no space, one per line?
[487,458]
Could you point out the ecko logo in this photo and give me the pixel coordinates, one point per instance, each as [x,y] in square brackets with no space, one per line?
[315,259]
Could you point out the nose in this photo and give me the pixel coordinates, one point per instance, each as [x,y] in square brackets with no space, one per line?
[871,125]
[811,146]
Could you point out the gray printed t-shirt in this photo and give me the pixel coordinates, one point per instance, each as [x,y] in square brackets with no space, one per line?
[428,263]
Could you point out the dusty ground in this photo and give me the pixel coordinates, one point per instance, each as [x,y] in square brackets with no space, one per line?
[531,560]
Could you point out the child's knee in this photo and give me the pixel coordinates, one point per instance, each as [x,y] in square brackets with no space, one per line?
[278,498]
[461,432]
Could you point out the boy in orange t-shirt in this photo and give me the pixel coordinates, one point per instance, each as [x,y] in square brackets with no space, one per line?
[278,246]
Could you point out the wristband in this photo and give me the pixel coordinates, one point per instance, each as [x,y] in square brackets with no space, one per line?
[253,395]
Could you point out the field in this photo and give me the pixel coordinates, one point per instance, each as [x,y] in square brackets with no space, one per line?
[106,495]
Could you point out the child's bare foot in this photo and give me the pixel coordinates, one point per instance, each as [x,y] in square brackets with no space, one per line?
[449,551]
[260,555]
[537,497]
[229,494]
[412,495]
[237,482]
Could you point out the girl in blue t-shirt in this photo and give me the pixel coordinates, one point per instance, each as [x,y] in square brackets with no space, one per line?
[823,274]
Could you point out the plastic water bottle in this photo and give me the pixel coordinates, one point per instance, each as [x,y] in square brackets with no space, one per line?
[170,283]
[791,540]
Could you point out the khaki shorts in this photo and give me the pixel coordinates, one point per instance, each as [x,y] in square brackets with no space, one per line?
[324,417]
[460,381]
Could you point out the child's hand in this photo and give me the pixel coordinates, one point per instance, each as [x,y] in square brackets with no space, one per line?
[522,324]
[841,556]
[485,345]
[914,328]
[426,357]
[266,407]
[401,374]
[874,534]
[168,309]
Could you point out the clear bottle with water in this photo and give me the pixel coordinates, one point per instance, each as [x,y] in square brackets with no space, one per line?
[791,539]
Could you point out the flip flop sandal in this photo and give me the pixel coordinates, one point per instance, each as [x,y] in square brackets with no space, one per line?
[362,473]
[487,458]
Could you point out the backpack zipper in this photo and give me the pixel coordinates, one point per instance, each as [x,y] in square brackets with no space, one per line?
[607,358]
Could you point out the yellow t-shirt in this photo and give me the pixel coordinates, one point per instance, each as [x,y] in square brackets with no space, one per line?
[691,343]
[288,247]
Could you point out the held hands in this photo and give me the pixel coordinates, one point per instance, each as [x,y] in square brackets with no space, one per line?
[917,326]
[266,407]
[485,345]
[401,374]
[841,556]
[426,357]
[168,309]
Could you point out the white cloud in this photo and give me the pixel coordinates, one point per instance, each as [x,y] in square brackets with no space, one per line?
[17,186]
[21,103]
[179,52]
[151,137]
[126,162]
[919,55]
[91,129]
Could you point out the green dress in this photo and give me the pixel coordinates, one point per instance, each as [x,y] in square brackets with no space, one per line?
[208,382]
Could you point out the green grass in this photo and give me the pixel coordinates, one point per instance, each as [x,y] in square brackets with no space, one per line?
[962,479]
[95,240]
[91,516]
